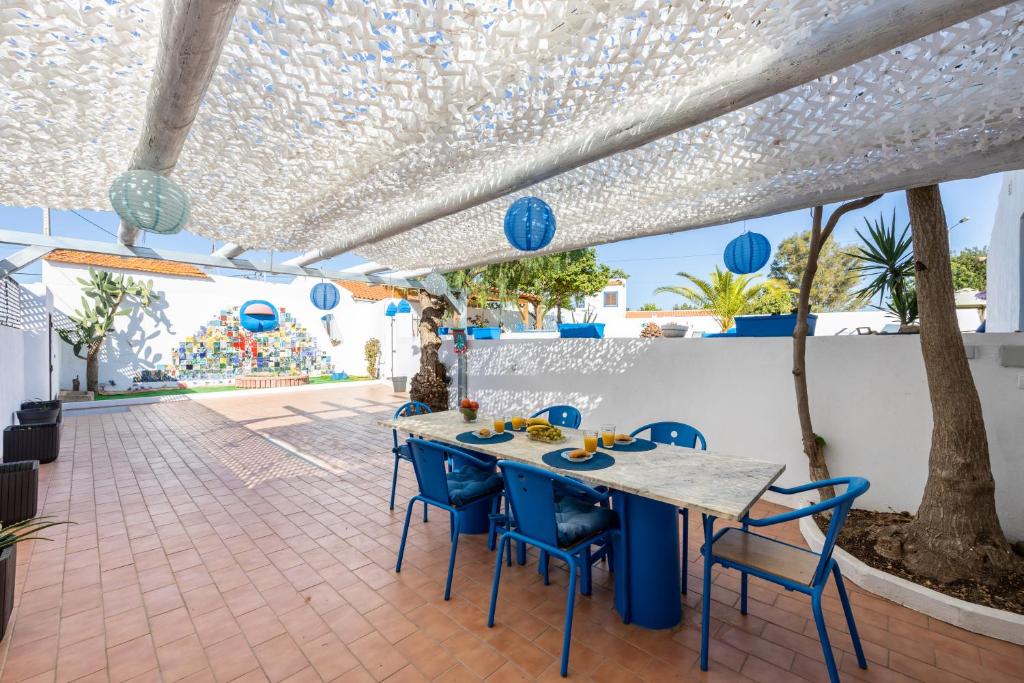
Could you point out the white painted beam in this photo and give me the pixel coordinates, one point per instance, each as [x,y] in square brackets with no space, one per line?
[230,250]
[854,36]
[49,243]
[22,259]
[192,34]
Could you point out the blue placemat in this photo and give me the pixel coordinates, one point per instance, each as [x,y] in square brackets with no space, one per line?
[598,462]
[470,437]
[637,446]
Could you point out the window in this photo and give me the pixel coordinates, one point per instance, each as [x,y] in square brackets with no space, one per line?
[611,299]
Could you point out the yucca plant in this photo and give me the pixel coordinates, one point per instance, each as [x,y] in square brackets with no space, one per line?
[91,325]
[28,530]
[888,260]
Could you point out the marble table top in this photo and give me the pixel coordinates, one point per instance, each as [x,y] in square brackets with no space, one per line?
[704,481]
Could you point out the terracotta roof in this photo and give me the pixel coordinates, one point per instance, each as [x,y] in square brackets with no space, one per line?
[668,314]
[109,262]
[369,292]
[616,283]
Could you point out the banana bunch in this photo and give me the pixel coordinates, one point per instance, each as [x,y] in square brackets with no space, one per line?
[545,432]
[538,422]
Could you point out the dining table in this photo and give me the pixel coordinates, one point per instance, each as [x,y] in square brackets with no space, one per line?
[649,482]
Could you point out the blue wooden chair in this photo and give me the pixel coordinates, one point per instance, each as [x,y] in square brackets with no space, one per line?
[790,566]
[561,416]
[401,451]
[564,526]
[677,434]
[473,482]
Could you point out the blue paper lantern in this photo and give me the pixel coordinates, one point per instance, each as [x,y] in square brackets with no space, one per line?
[404,307]
[324,296]
[149,201]
[747,253]
[392,310]
[529,224]
[258,316]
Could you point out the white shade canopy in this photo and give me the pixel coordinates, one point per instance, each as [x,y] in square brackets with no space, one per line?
[349,124]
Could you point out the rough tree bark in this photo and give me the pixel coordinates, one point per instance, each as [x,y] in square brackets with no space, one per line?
[430,384]
[955,533]
[92,367]
[814,446]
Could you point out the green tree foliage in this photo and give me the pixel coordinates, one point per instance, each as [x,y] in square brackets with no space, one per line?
[970,269]
[91,325]
[727,295]
[887,260]
[649,307]
[835,284]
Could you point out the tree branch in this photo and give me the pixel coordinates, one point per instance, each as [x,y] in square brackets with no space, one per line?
[842,211]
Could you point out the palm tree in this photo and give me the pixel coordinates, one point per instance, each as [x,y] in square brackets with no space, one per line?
[725,295]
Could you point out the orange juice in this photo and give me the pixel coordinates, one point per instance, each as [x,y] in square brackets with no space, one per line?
[590,442]
[499,425]
[517,423]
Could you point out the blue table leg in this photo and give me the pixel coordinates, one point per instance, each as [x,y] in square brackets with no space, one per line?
[476,517]
[705,616]
[647,562]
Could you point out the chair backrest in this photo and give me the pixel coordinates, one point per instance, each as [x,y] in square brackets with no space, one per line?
[407,409]
[674,434]
[562,416]
[428,461]
[841,504]
[531,493]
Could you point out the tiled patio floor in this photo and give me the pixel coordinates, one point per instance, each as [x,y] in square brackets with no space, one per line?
[202,551]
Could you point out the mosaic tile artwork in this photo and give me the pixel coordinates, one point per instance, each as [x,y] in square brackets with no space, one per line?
[222,349]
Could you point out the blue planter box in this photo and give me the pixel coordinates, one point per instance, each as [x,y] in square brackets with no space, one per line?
[772,325]
[469,330]
[581,331]
[443,330]
[338,376]
[486,332]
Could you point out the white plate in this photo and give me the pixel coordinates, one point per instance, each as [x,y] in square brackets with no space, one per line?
[624,443]
[478,435]
[565,454]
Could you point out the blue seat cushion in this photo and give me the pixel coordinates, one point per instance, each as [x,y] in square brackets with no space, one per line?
[403,452]
[576,519]
[470,484]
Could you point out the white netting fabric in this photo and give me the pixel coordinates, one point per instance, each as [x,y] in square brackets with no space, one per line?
[328,121]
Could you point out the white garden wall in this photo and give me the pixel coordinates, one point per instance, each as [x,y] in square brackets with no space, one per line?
[869,400]
[1006,258]
[146,341]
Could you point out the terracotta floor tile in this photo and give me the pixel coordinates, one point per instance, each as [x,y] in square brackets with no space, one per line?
[204,553]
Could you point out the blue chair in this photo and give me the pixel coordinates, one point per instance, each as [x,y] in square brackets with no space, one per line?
[790,566]
[561,416]
[473,482]
[401,451]
[564,526]
[677,434]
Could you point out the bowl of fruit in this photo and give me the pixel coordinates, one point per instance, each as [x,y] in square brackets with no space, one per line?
[468,409]
[539,429]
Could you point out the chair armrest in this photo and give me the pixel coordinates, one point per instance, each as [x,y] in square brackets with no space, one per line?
[802,512]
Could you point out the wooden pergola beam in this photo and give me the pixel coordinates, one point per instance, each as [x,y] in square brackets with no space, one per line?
[192,34]
[853,37]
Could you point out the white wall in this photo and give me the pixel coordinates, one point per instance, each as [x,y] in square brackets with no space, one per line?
[868,395]
[1006,258]
[12,372]
[145,341]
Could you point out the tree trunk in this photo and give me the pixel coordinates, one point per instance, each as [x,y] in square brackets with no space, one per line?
[538,316]
[814,446]
[92,369]
[955,533]
[430,384]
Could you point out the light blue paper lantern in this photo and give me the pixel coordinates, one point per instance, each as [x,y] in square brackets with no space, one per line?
[529,224]
[324,296]
[747,253]
[392,310]
[404,307]
[150,202]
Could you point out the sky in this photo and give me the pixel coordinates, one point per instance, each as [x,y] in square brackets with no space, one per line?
[650,262]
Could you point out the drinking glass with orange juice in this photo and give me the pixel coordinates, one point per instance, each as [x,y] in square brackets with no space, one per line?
[607,435]
[499,424]
[517,422]
[590,441]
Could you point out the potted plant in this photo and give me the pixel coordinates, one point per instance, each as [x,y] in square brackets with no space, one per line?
[398,383]
[371,352]
[10,536]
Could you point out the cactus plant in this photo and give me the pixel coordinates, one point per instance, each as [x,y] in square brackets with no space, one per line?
[91,325]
